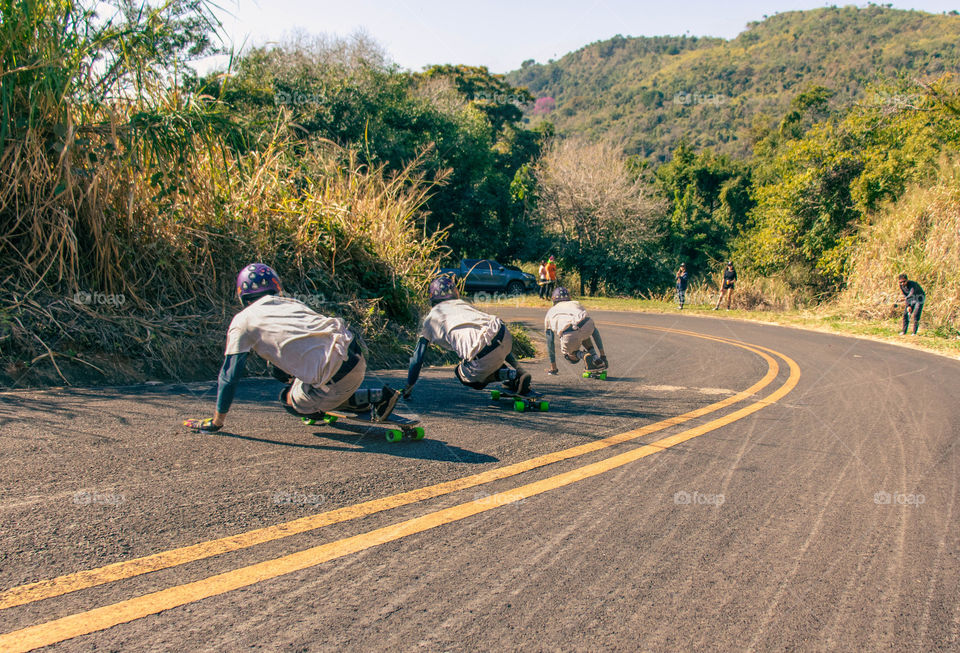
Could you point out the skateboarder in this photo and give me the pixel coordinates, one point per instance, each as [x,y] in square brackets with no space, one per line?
[568,321]
[913,300]
[726,287]
[317,357]
[681,284]
[482,342]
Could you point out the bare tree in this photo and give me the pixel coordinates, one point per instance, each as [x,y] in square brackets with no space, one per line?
[587,196]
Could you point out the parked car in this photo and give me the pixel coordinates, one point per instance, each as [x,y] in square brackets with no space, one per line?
[487,274]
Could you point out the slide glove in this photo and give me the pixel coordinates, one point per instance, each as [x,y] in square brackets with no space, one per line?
[202,425]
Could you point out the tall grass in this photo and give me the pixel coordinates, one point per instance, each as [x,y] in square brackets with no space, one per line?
[920,236]
[115,181]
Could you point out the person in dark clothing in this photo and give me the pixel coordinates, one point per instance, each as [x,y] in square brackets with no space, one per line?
[726,287]
[681,284]
[913,303]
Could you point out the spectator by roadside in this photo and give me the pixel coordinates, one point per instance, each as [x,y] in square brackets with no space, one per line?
[682,277]
[914,297]
[726,285]
[551,276]
[542,274]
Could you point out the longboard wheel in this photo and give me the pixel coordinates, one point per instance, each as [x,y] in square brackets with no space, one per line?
[495,395]
[309,421]
[544,406]
[586,375]
[418,433]
[393,435]
[519,406]
[603,376]
[330,419]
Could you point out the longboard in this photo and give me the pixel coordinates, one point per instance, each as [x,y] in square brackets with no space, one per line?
[399,425]
[595,374]
[521,403]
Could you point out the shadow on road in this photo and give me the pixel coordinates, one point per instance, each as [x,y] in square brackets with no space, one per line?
[371,441]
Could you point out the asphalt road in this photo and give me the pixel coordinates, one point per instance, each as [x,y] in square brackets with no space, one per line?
[730,486]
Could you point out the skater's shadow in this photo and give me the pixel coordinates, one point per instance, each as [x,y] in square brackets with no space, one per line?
[365,439]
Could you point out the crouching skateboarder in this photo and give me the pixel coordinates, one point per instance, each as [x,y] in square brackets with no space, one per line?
[569,322]
[317,357]
[482,342]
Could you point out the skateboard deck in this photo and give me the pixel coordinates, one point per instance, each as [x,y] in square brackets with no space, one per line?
[521,403]
[399,425]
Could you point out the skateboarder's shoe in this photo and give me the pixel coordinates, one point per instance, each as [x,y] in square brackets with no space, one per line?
[903,333]
[383,408]
[523,383]
[595,363]
[520,384]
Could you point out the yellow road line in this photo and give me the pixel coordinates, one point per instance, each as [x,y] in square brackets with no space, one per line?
[44,589]
[108,616]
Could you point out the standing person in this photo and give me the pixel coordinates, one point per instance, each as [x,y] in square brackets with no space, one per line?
[569,322]
[317,357]
[551,276]
[726,286]
[913,299]
[482,341]
[682,284]
[542,273]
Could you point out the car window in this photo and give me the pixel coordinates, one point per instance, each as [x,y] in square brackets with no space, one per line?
[470,262]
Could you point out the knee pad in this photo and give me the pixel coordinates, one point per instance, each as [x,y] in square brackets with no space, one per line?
[469,384]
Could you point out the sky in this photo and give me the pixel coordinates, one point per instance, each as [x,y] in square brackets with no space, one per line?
[501,34]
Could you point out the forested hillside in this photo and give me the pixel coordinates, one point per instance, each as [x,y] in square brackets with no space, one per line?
[655,92]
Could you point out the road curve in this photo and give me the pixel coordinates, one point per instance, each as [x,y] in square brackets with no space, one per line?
[732,485]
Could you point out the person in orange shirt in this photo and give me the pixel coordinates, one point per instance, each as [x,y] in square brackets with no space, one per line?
[551,276]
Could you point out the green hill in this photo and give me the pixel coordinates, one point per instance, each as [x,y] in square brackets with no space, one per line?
[654,92]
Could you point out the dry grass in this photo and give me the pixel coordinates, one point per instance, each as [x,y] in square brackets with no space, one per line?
[918,235]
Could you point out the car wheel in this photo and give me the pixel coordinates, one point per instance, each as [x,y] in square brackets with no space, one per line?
[515,288]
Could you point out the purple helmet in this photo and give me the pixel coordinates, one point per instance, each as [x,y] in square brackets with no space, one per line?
[442,289]
[561,294]
[255,280]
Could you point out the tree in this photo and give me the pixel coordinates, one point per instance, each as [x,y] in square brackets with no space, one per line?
[600,213]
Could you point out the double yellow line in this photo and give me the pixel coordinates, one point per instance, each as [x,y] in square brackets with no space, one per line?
[125,611]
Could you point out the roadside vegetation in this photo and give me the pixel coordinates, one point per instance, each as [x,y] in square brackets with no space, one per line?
[133,190]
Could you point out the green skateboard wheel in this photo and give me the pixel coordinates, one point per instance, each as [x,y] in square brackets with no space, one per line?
[418,433]
[309,421]
[393,435]
[603,376]
[519,406]
[544,406]
[495,395]
[330,419]
[586,375]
